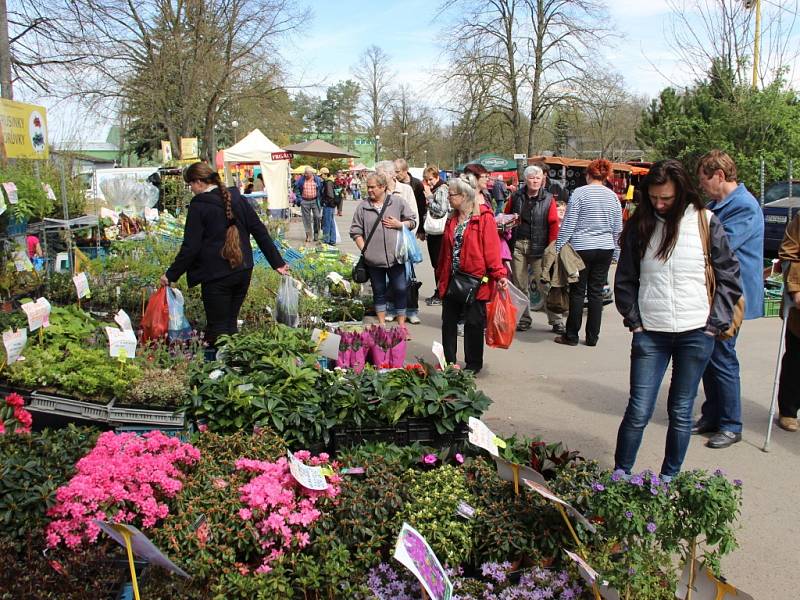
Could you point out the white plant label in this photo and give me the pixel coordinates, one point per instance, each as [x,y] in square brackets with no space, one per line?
[327,343]
[309,477]
[438,352]
[121,343]
[14,342]
[38,314]
[11,189]
[81,285]
[22,262]
[141,545]
[123,320]
[337,278]
[545,492]
[48,189]
[482,437]
[416,555]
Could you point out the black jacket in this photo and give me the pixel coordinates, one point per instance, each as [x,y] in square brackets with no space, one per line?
[726,274]
[419,196]
[200,255]
[527,228]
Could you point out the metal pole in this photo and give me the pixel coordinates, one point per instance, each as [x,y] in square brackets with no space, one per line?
[6,88]
[70,252]
[787,304]
[762,182]
[791,175]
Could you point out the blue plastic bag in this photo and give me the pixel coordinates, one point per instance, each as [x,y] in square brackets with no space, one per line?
[179,328]
[408,249]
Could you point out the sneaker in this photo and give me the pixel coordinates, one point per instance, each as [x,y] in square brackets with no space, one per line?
[723,439]
[389,318]
[433,300]
[414,320]
[559,329]
[460,330]
[702,426]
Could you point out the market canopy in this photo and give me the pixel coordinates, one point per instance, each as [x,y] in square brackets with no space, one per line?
[321,149]
[256,148]
[580,163]
[492,162]
[360,167]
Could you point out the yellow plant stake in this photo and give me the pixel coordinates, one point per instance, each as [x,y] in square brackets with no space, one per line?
[579,545]
[515,470]
[127,536]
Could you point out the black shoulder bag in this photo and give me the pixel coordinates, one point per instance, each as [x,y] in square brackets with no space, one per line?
[360,273]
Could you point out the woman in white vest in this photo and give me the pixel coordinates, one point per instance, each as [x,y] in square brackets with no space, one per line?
[660,290]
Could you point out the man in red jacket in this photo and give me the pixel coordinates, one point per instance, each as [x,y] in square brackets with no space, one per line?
[537,227]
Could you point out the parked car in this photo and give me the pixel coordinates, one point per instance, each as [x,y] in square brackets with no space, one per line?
[777,215]
[780,190]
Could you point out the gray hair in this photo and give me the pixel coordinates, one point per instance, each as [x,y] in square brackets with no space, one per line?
[470,179]
[460,185]
[381,178]
[387,167]
[401,164]
[532,170]
[308,170]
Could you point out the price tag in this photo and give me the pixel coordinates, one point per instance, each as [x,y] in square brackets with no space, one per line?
[337,278]
[465,510]
[327,343]
[11,189]
[438,352]
[121,344]
[48,189]
[38,314]
[82,285]
[482,437]
[123,320]
[14,341]
[309,477]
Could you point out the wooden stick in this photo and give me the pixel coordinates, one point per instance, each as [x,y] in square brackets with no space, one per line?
[690,583]
[424,593]
[571,530]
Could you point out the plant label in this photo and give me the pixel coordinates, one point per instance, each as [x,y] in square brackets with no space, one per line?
[121,344]
[244,387]
[505,470]
[22,262]
[38,314]
[140,545]
[706,586]
[14,341]
[482,437]
[465,510]
[438,352]
[123,320]
[82,285]
[11,190]
[414,553]
[107,213]
[592,577]
[48,189]
[151,214]
[545,492]
[327,343]
[309,477]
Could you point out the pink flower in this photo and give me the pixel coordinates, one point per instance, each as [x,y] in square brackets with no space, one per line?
[430,459]
[15,400]
[459,458]
[245,514]
[202,428]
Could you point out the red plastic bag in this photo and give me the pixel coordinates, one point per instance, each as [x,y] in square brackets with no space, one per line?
[501,320]
[155,321]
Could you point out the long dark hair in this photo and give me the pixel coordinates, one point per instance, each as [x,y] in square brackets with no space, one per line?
[232,249]
[644,219]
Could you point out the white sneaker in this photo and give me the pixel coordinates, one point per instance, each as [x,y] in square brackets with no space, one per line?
[461,330]
[389,318]
[414,320]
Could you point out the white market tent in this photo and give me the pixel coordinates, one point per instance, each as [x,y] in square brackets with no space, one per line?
[257,148]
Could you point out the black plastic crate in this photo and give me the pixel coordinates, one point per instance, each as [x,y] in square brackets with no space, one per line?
[346,437]
[404,433]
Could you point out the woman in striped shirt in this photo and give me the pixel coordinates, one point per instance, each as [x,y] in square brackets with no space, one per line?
[592,226]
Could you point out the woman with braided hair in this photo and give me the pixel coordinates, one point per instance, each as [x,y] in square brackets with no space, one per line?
[216,252]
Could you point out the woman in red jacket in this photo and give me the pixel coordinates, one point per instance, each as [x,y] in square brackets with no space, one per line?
[470,246]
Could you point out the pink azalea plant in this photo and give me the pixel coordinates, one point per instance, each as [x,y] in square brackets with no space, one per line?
[13,417]
[126,478]
[280,509]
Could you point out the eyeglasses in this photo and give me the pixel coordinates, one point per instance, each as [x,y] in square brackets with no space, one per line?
[454,195]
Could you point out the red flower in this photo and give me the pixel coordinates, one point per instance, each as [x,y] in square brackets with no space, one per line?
[15,400]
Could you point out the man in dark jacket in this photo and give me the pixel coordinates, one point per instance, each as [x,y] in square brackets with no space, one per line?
[403,176]
[537,227]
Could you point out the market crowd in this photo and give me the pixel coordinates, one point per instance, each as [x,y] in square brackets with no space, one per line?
[688,272]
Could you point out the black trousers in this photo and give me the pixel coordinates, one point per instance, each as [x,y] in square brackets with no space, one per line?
[434,247]
[222,300]
[789,383]
[474,317]
[590,284]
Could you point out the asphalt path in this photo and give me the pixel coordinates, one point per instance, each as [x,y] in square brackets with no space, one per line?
[578,395]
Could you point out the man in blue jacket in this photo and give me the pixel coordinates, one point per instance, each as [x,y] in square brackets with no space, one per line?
[743,221]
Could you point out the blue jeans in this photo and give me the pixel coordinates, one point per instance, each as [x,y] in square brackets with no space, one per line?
[651,353]
[397,281]
[723,405]
[328,226]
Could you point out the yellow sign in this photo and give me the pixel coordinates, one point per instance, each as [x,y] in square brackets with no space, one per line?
[23,130]
[189,148]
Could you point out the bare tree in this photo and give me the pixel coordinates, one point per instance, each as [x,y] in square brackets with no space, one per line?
[529,53]
[374,76]
[178,63]
[721,32]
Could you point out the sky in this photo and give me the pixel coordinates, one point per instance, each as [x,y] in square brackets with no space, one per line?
[410,32]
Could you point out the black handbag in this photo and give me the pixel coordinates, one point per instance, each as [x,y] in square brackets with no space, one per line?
[412,291]
[463,287]
[360,274]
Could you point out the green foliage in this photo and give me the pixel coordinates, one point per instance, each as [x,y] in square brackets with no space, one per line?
[33,201]
[32,467]
[434,497]
[716,113]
